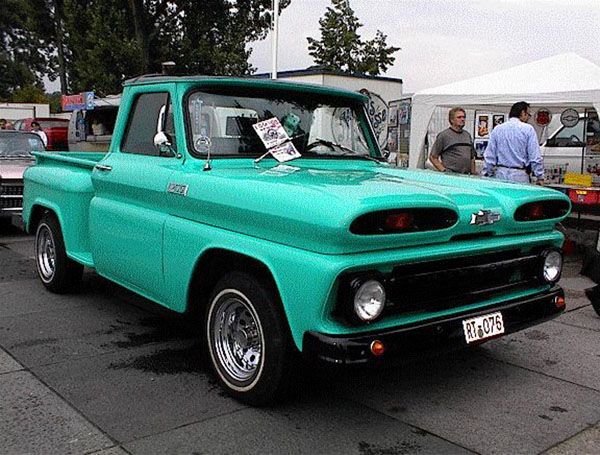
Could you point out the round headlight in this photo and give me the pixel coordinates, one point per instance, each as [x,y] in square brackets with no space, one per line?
[369,300]
[552,266]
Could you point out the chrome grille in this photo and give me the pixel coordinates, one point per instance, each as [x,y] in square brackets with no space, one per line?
[11,190]
[11,195]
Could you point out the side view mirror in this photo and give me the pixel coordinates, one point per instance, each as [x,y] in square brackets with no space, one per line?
[161,140]
[163,145]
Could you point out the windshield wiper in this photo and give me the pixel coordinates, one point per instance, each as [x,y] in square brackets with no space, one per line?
[16,157]
[333,146]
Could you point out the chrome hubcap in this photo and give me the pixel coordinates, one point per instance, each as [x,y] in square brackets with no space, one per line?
[46,254]
[237,337]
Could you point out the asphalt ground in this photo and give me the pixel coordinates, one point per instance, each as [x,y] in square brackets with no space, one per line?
[103,371]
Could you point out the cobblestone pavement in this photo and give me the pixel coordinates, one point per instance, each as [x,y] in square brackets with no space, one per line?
[103,371]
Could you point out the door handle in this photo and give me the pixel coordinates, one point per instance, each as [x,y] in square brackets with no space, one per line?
[103,167]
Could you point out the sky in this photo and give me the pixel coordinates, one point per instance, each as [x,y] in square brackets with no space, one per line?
[445,41]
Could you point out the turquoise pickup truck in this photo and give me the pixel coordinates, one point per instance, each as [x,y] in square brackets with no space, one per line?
[265,210]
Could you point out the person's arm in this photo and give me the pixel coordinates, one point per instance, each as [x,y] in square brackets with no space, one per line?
[437,163]
[490,158]
[534,157]
[473,154]
[434,155]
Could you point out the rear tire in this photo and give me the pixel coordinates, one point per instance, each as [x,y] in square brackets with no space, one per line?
[56,271]
[248,340]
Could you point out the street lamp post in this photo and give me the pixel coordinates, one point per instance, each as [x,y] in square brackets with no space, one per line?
[274,39]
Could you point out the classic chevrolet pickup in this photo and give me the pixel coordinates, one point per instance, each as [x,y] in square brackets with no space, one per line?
[265,210]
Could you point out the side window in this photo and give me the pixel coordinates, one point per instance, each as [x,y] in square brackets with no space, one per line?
[568,136]
[143,122]
[593,131]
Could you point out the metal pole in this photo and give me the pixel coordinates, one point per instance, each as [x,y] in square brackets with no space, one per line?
[274,38]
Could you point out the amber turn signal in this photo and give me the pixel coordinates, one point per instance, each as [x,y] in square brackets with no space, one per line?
[559,301]
[377,348]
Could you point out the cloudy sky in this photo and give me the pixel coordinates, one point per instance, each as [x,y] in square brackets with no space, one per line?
[444,41]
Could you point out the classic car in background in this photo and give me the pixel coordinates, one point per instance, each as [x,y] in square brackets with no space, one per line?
[56,130]
[15,157]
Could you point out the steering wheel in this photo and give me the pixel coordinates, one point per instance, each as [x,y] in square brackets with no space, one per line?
[318,142]
[574,138]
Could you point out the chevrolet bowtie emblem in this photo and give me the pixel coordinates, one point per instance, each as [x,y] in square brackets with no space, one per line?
[484,217]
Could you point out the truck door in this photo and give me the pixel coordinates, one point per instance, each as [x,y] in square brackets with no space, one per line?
[128,212]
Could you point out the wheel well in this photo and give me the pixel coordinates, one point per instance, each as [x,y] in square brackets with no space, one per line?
[37,212]
[213,265]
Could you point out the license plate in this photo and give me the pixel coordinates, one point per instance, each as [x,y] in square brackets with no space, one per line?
[483,327]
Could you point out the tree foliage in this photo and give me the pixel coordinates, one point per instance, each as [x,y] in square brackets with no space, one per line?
[341,47]
[26,51]
[96,44]
[125,39]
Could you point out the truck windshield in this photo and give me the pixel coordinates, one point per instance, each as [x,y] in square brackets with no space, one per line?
[315,124]
[18,145]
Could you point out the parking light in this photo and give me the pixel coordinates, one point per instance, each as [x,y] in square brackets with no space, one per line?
[377,348]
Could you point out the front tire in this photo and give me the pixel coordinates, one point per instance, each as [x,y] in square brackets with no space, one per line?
[56,271]
[248,341]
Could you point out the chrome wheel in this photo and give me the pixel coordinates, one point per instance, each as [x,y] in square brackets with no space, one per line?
[236,339]
[46,253]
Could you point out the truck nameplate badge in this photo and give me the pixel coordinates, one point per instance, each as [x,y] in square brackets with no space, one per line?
[177,188]
[484,217]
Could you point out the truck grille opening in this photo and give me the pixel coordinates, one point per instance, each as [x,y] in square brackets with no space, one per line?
[450,283]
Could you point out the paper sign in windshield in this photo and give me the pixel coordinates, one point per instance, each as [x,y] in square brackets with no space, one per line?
[285,152]
[271,132]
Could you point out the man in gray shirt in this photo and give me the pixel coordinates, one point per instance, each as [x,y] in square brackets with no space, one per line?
[453,148]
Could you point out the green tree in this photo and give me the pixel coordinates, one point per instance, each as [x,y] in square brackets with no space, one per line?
[100,46]
[341,47]
[26,54]
[107,41]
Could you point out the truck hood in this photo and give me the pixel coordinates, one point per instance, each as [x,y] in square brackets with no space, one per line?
[13,169]
[310,204]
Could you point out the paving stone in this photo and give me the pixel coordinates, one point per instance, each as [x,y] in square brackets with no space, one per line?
[584,317]
[477,402]
[136,392]
[7,363]
[30,296]
[111,451]
[586,442]
[558,350]
[15,267]
[34,420]
[91,323]
[323,426]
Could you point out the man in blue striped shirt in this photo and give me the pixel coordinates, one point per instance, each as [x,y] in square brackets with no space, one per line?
[513,147]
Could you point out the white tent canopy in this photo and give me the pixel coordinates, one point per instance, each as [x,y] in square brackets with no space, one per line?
[565,80]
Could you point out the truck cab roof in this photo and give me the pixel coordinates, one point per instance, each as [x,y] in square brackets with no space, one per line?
[268,84]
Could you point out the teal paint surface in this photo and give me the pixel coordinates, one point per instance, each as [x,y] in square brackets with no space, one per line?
[295,220]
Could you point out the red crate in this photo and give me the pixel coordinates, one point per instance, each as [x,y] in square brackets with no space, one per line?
[584,196]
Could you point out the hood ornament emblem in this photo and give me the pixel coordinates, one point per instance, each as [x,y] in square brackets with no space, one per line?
[484,217]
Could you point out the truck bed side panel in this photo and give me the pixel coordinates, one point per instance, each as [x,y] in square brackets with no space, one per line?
[65,188]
